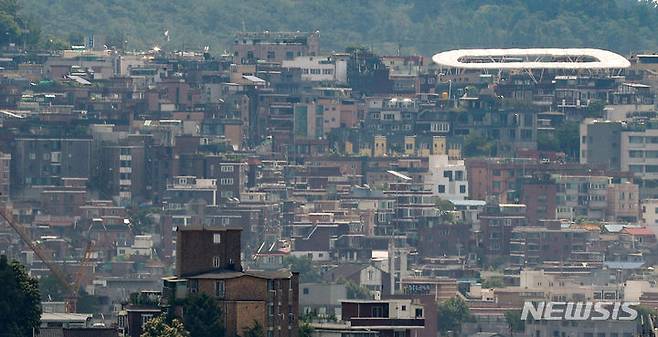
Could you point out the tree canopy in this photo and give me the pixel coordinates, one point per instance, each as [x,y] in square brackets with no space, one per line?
[202,317]
[419,26]
[452,314]
[514,321]
[158,327]
[255,330]
[20,303]
[303,266]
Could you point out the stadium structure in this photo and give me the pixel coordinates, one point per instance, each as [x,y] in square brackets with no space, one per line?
[534,61]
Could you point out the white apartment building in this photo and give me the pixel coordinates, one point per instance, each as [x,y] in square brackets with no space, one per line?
[447,177]
[320,68]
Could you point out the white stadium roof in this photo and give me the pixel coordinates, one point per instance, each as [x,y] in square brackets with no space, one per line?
[531,58]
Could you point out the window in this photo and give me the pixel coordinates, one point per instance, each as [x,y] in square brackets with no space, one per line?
[216,262]
[193,286]
[447,174]
[636,168]
[226,168]
[636,154]
[226,181]
[217,238]
[635,139]
[305,291]
[271,55]
[220,289]
[145,319]
[442,188]
[404,308]
[377,312]
[462,189]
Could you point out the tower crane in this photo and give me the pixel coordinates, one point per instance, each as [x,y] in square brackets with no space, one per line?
[56,270]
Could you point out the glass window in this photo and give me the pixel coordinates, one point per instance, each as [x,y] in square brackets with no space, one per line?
[220,289]
[635,139]
[636,168]
[636,154]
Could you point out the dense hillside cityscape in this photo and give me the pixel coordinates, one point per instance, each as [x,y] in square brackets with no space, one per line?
[328,169]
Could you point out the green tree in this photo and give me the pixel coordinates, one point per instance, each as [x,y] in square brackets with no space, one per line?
[568,135]
[547,142]
[645,313]
[76,38]
[445,208]
[452,314]
[255,330]
[514,321]
[477,146]
[305,329]
[355,291]
[140,219]
[415,27]
[203,317]
[87,303]
[595,109]
[303,266]
[54,43]
[493,282]
[158,327]
[20,306]
[51,289]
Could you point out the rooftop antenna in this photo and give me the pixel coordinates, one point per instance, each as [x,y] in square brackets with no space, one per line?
[244,26]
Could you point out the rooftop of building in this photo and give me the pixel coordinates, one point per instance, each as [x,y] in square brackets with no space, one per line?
[227,275]
[531,58]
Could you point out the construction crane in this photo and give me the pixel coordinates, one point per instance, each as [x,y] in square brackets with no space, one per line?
[58,273]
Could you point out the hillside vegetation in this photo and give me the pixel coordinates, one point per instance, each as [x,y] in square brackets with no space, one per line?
[419,26]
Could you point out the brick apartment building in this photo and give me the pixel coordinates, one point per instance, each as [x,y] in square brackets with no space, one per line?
[44,161]
[534,245]
[208,261]
[496,224]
